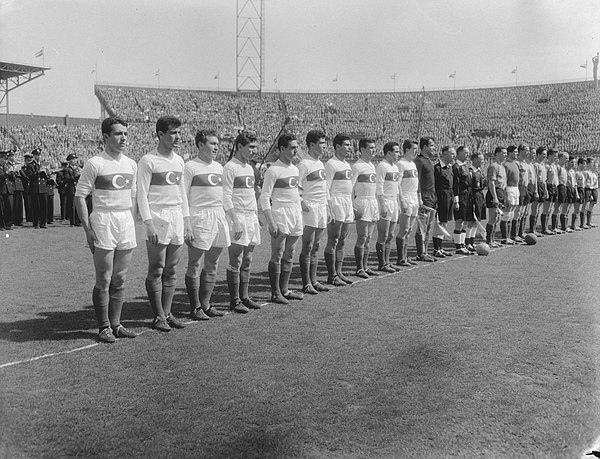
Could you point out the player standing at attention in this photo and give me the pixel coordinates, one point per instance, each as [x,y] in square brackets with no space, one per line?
[110,177]
[409,199]
[239,202]
[444,180]
[163,205]
[551,204]
[511,197]
[315,196]
[426,213]
[581,203]
[203,178]
[338,175]
[542,190]
[284,217]
[494,199]
[461,188]
[562,176]
[387,195]
[476,211]
[572,197]
[591,185]
[366,209]
[527,189]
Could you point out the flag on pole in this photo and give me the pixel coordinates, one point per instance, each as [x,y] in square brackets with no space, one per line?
[40,53]
[452,75]
[335,79]
[275,79]
[514,70]
[157,73]
[583,66]
[393,77]
[216,76]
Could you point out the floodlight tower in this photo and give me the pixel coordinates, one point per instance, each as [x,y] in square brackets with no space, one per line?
[250,45]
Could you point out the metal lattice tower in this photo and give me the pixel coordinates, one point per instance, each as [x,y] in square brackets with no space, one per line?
[250,47]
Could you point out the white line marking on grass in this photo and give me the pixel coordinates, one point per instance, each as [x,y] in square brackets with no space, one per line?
[48,355]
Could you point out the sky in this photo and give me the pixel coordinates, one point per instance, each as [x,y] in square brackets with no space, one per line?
[307,44]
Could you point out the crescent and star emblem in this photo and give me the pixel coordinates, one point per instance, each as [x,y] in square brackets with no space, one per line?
[293,182]
[171,178]
[395,176]
[213,179]
[118,181]
[249,182]
[321,174]
[372,178]
[348,174]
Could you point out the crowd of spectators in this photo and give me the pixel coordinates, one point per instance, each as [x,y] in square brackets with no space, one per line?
[565,116]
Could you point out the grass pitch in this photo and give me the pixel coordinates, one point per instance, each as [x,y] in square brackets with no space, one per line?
[492,356]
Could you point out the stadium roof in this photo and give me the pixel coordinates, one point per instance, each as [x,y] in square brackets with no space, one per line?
[13,75]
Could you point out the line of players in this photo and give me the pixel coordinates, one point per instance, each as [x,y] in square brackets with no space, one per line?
[210,207]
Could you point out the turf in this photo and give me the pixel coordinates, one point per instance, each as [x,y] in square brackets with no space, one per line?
[471,357]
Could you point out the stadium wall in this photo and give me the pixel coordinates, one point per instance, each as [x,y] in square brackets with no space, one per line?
[40,120]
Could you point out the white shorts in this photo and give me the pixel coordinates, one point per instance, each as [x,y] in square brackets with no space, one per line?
[209,227]
[288,219]
[115,230]
[512,196]
[366,209]
[168,222]
[341,209]
[411,201]
[390,206]
[316,216]
[251,228]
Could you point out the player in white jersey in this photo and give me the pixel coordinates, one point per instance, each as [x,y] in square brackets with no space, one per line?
[591,184]
[163,205]
[315,196]
[409,198]
[386,182]
[203,179]
[541,190]
[550,207]
[338,174]
[239,200]
[110,177]
[366,209]
[280,202]
[580,205]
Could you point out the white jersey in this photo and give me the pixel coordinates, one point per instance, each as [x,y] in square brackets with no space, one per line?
[339,177]
[238,186]
[409,177]
[110,181]
[160,183]
[280,186]
[363,179]
[387,179]
[312,180]
[204,183]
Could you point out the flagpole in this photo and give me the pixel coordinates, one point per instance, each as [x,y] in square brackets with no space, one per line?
[454,80]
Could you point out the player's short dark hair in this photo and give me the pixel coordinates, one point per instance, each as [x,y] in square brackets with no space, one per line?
[285,140]
[498,150]
[581,161]
[203,135]
[245,137]
[164,123]
[552,151]
[475,155]
[522,147]
[340,139]
[362,143]
[407,145]
[511,148]
[425,142]
[389,147]
[314,136]
[589,160]
[460,148]
[540,150]
[445,148]
[108,123]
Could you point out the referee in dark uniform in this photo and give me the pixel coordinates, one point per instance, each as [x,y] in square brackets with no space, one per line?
[444,182]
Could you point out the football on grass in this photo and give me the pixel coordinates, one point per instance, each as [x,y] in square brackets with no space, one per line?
[482,249]
[531,239]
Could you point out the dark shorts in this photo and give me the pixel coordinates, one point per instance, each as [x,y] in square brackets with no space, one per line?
[445,206]
[581,193]
[465,202]
[562,193]
[523,195]
[552,193]
[429,199]
[489,200]
[571,194]
[531,191]
[588,195]
[477,209]
[541,192]
[594,198]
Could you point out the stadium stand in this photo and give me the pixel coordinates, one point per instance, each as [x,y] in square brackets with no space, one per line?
[563,115]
